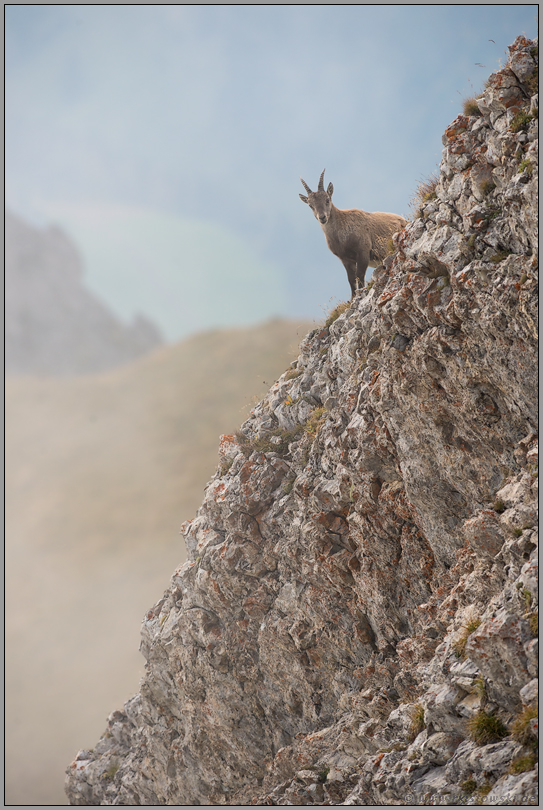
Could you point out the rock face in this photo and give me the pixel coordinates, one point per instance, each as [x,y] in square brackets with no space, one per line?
[53,324]
[355,624]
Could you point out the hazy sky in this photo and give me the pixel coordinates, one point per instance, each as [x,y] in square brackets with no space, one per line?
[169,140]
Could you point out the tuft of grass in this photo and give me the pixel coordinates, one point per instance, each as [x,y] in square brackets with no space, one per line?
[293,373]
[417,721]
[492,213]
[242,440]
[534,624]
[527,596]
[520,121]
[279,440]
[396,747]
[391,248]
[470,107]
[224,468]
[480,687]
[496,259]
[425,192]
[487,186]
[323,775]
[486,728]
[469,786]
[289,483]
[521,728]
[459,645]
[526,166]
[334,315]
[314,422]
[499,506]
[484,790]
[264,444]
[523,764]
[533,82]
[110,773]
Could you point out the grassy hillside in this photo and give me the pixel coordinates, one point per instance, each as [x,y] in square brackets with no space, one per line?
[101,472]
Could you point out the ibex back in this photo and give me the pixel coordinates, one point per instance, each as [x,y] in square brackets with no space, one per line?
[359,239]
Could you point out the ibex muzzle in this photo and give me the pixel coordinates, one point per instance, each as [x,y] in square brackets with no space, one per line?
[357,238]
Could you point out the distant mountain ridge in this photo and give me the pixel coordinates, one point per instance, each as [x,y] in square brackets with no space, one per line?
[54,325]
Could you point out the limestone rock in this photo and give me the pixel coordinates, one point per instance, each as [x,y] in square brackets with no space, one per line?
[358,591]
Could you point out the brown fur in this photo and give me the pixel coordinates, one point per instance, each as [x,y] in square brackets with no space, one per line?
[357,238]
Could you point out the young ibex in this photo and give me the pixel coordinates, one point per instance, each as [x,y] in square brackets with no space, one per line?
[357,238]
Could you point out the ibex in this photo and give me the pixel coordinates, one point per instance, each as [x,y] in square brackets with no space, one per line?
[357,238]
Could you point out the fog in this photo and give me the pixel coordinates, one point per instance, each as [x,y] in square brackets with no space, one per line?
[126,121]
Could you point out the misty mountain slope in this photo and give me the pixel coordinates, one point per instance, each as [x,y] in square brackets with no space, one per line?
[54,325]
[356,623]
[101,472]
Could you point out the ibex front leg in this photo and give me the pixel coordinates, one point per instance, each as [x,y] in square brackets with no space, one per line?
[356,272]
[352,269]
[361,267]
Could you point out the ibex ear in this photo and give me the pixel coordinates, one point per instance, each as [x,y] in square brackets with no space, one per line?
[330,189]
[303,199]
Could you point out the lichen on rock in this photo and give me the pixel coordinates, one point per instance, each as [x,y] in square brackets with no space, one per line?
[378,506]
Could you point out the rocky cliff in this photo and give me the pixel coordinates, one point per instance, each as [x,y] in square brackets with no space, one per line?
[54,325]
[356,622]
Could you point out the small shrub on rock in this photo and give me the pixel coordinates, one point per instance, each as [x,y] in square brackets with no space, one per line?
[391,248]
[315,421]
[533,82]
[467,630]
[417,721]
[470,107]
[487,187]
[522,728]
[110,773]
[469,786]
[520,122]
[523,764]
[425,192]
[485,728]
[334,315]
[323,775]
[526,166]
[276,441]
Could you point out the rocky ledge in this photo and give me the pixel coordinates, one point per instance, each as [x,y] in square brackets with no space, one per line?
[356,624]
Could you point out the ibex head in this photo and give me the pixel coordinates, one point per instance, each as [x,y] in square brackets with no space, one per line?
[319,201]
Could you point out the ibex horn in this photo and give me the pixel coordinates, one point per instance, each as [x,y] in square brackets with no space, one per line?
[306,186]
[321,181]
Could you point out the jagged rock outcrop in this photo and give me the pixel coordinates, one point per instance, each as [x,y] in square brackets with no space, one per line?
[54,325]
[356,622]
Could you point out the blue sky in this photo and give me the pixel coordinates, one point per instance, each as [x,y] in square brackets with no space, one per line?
[169,140]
